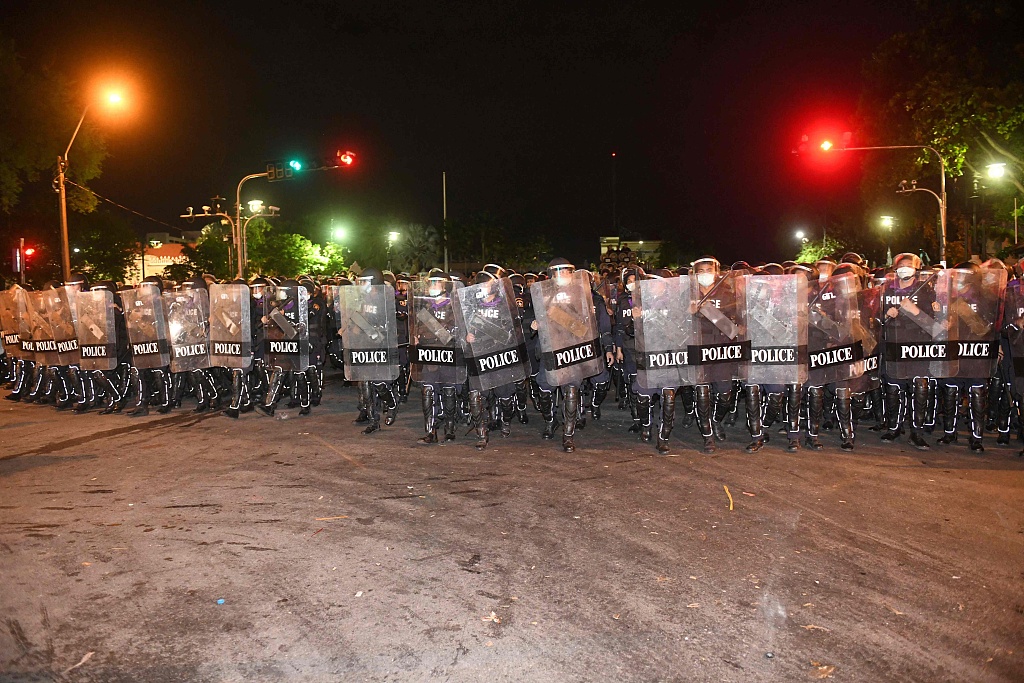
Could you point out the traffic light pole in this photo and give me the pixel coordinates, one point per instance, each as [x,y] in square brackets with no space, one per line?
[62,165]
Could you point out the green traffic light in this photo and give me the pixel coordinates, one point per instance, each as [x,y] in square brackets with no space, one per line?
[297,165]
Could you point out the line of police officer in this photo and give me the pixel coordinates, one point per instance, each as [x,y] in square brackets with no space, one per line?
[808,347]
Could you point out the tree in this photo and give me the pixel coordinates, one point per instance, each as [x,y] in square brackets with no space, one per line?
[418,248]
[38,114]
[104,246]
[814,250]
[209,255]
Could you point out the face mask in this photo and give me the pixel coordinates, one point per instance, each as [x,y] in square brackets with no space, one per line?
[705,279]
[822,277]
[629,286]
[905,273]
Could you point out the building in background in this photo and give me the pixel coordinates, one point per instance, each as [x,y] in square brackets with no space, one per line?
[617,253]
[161,249]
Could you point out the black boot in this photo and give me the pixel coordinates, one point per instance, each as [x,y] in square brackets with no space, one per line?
[844,415]
[570,412]
[995,389]
[772,411]
[449,407]
[429,420]
[300,384]
[950,413]
[507,407]
[269,404]
[1004,411]
[237,385]
[754,424]
[138,381]
[979,409]
[522,390]
[685,395]
[600,393]
[793,417]
[894,402]
[547,410]
[632,399]
[668,419]
[202,396]
[163,390]
[919,414]
[815,410]
[877,399]
[370,401]
[703,408]
[646,414]
[480,421]
[724,403]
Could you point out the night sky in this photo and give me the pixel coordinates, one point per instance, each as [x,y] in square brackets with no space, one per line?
[521,103]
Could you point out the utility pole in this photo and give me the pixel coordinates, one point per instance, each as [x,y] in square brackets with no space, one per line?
[444,210]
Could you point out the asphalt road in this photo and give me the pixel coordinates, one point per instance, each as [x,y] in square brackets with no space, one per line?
[344,557]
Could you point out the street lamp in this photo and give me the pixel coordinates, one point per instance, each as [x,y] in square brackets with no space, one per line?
[112,99]
[997,172]
[888,222]
[800,235]
[392,238]
[940,196]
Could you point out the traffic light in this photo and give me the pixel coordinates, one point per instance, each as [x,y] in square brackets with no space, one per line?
[29,251]
[284,169]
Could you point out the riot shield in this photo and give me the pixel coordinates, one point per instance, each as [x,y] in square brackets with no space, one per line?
[42,330]
[916,337]
[664,333]
[286,316]
[60,304]
[147,327]
[369,332]
[95,326]
[491,334]
[722,349]
[833,352]
[188,328]
[1013,328]
[569,340]
[867,329]
[974,314]
[435,351]
[230,326]
[9,324]
[777,328]
[22,311]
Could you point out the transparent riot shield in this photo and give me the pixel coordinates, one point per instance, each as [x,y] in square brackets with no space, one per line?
[914,326]
[976,302]
[42,329]
[777,329]
[435,351]
[1013,328]
[491,334]
[833,352]
[665,332]
[22,310]
[147,327]
[867,329]
[569,341]
[60,304]
[95,326]
[369,332]
[9,327]
[188,328]
[286,317]
[722,350]
[230,326]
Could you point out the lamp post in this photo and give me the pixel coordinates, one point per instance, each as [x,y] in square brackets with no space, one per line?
[392,238]
[238,226]
[827,146]
[800,235]
[887,222]
[996,172]
[113,98]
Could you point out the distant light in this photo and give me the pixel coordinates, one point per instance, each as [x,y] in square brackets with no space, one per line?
[996,170]
[826,146]
[393,237]
[76,250]
[888,221]
[613,154]
[295,164]
[641,243]
[29,251]
[347,158]
[338,234]
[115,98]
[799,234]
[255,206]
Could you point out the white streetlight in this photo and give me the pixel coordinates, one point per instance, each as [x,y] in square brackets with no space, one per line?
[996,172]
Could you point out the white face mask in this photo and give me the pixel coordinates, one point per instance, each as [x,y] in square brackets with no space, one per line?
[705,279]
[822,277]
[629,286]
[905,273]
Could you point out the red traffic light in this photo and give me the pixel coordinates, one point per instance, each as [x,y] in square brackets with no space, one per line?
[346,158]
[29,251]
[826,145]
